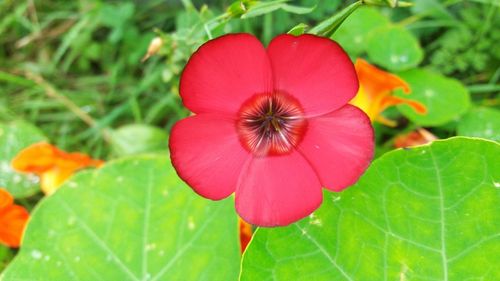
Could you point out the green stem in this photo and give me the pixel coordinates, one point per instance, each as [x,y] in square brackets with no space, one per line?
[483,88]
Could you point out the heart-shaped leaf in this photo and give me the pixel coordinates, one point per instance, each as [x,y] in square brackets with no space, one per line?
[14,137]
[139,138]
[133,219]
[425,213]
[394,48]
[354,31]
[480,122]
[445,98]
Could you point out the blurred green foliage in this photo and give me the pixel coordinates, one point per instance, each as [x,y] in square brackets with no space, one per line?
[88,53]
[471,45]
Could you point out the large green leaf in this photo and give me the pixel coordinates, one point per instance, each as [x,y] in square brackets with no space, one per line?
[14,137]
[139,138]
[480,122]
[445,98]
[354,31]
[425,213]
[133,219]
[394,48]
[5,256]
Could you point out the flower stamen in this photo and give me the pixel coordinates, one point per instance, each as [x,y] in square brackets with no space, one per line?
[271,124]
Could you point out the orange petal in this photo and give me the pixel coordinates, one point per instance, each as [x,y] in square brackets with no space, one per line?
[36,158]
[51,180]
[5,199]
[393,100]
[245,234]
[364,102]
[376,81]
[82,160]
[385,121]
[13,219]
[417,137]
[64,168]
[53,165]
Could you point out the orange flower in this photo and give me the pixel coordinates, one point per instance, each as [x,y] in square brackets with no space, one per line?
[52,165]
[375,92]
[245,234]
[417,137]
[13,219]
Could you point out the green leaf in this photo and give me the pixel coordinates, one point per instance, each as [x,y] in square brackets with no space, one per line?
[330,25]
[299,29]
[133,219]
[433,8]
[297,9]
[445,98]
[5,256]
[139,138]
[426,213]
[480,122]
[353,33]
[260,8]
[249,9]
[14,137]
[394,48]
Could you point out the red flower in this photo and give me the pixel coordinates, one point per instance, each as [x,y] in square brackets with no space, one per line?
[271,125]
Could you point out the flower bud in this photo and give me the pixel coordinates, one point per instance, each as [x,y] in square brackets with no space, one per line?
[153,48]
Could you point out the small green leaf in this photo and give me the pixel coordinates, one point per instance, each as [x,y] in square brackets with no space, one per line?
[394,48]
[14,137]
[355,30]
[445,98]
[254,9]
[139,138]
[328,27]
[480,122]
[299,29]
[297,9]
[426,213]
[249,9]
[133,219]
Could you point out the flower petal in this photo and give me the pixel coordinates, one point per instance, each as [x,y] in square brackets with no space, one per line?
[378,82]
[245,234]
[418,137]
[393,100]
[224,73]
[51,180]
[13,219]
[6,199]
[339,146]
[277,190]
[36,158]
[313,69]
[207,154]
[12,223]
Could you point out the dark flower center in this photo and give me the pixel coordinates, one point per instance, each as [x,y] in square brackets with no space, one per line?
[271,124]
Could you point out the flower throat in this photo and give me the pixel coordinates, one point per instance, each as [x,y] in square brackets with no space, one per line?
[271,124]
